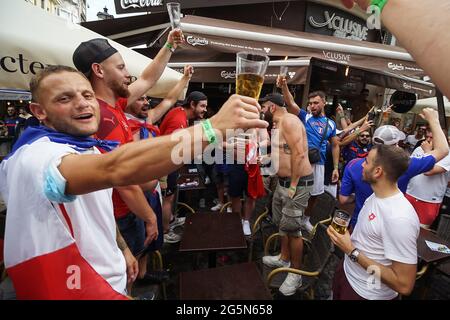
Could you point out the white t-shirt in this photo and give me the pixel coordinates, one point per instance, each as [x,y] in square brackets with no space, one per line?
[430,188]
[78,236]
[387,230]
[412,140]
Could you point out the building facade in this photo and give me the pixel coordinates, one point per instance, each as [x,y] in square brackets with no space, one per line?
[70,10]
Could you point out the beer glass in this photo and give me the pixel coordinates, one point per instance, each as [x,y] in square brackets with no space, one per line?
[283,71]
[173,8]
[340,221]
[250,71]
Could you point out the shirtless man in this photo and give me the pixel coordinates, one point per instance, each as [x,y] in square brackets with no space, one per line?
[295,182]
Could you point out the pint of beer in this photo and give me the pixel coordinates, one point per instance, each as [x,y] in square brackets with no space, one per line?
[340,221]
[250,71]
[250,85]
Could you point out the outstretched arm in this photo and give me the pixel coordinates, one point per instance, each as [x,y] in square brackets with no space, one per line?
[139,162]
[154,70]
[160,110]
[292,107]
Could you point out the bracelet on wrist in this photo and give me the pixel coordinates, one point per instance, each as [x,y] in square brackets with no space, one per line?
[379,3]
[209,131]
[170,47]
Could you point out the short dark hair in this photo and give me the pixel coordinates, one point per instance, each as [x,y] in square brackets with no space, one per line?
[44,73]
[393,159]
[194,96]
[320,94]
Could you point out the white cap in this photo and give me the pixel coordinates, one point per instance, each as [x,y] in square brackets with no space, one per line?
[388,135]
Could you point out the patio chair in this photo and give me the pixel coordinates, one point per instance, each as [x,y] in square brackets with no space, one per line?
[157,262]
[182,205]
[315,258]
[255,228]
[323,210]
[443,229]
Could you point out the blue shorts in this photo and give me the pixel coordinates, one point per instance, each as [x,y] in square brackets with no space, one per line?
[155,203]
[171,183]
[132,228]
[237,180]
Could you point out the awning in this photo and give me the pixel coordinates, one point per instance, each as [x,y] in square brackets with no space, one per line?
[28,44]
[217,41]
[212,44]
[431,103]
[17,95]
[225,72]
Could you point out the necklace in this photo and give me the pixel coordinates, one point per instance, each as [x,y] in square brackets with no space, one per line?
[275,13]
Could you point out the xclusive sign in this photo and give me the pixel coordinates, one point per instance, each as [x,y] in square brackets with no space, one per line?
[337,23]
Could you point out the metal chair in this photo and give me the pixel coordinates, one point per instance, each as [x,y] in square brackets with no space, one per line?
[255,228]
[443,229]
[185,206]
[224,207]
[157,262]
[315,258]
[323,210]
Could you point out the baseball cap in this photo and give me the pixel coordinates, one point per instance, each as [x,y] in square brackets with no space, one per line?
[276,98]
[92,51]
[388,135]
[195,96]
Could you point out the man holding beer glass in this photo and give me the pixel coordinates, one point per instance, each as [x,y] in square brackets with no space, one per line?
[295,183]
[381,253]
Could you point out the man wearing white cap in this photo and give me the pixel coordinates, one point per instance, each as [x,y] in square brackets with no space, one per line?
[354,189]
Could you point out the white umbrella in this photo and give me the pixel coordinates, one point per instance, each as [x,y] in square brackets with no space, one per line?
[31,38]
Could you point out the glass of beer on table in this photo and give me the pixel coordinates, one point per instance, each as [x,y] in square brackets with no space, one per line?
[340,221]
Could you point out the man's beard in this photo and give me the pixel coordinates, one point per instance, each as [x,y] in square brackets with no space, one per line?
[119,90]
[368,178]
[200,115]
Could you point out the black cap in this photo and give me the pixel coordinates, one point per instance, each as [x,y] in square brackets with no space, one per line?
[276,98]
[92,51]
[195,96]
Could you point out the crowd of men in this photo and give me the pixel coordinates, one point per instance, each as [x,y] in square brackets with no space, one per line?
[100,187]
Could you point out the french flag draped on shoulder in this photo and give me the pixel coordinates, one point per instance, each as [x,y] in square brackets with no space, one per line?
[58,250]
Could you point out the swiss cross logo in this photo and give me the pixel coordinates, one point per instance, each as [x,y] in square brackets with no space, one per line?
[372,216]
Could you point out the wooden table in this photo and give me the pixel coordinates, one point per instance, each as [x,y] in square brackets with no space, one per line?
[424,252]
[235,282]
[212,232]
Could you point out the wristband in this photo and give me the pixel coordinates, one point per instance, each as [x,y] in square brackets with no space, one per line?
[293,188]
[379,3]
[209,131]
[357,132]
[336,166]
[169,46]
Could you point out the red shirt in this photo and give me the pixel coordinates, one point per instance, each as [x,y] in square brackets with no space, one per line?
[174,120]
[114,126]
